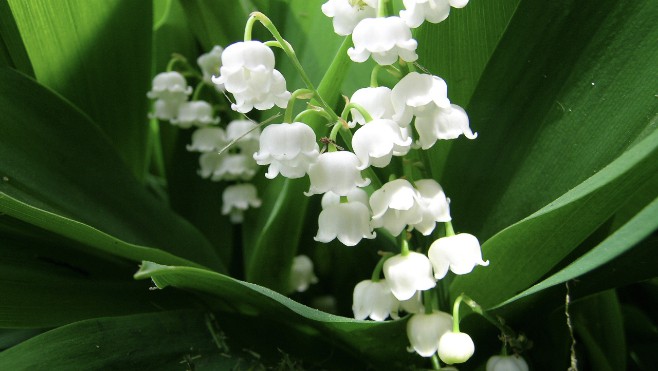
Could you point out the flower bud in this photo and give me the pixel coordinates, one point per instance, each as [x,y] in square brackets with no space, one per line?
[455,347]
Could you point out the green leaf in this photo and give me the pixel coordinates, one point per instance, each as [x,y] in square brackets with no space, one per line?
[44,282]
[622,240]
[377,342]
[12,49]
[62,175]
[598,323]
[163,341]
[98,56]
[569,88]
[527,250]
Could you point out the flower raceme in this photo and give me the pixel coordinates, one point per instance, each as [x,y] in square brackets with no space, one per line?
[248,73]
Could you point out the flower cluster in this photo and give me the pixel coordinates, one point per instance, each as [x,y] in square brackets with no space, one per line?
[226,154]
[390,126]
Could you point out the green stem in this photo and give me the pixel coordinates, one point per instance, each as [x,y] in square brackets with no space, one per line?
[197,90]
[455,313]
[476,308]
[376,273]
[404,244]
[373,76]
[335,130]
[427,301]
[248,27]
[381,9]
[156,149]
[357,107]
[313,109]
[435,362]
[265,21]
[297,94]
[449,230]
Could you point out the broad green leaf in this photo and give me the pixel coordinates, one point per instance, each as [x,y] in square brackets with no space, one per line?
[570,86]
[623,239]
[527,250]
[162,341]
[376,342]
[598,324]
[96,54]
[217,22]
[59,172]
[12,49]
[45,281]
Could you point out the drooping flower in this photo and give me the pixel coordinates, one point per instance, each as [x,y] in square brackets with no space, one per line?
[165,110]
[386,39]
[434,205]
[337,172]
[407,274]
[237,199]
[375,300]
[433,11]
[395,205]
[301,273]
[347,13]
[460,253]
[425,330]
[442,123]
[416,94]
[455,347]
[194,113]
[246,135]
[507,363]
[207,139]
[377,101]
[226,166]
[376,142]
[210,63]
[170,87]
[248,73]
[289,149]
[348,221]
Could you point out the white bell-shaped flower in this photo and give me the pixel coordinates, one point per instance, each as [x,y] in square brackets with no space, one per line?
[416,94]
[414,304]
[386,39]
[301,273]
[418,11]
[248,73]
[165,110]
[425,330]
[347,14]
[455,347]
[435,207]
[194,113]
[237,198]
[226,166]
[337,172]
[347,221]
[395,205]
[289,149]
[459,253]
[377,101]
[407,274]
[376,142]
[210,63]
[374,300]
[507,363]
[170,87]
[246,134]
[207,139]
[443,123]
